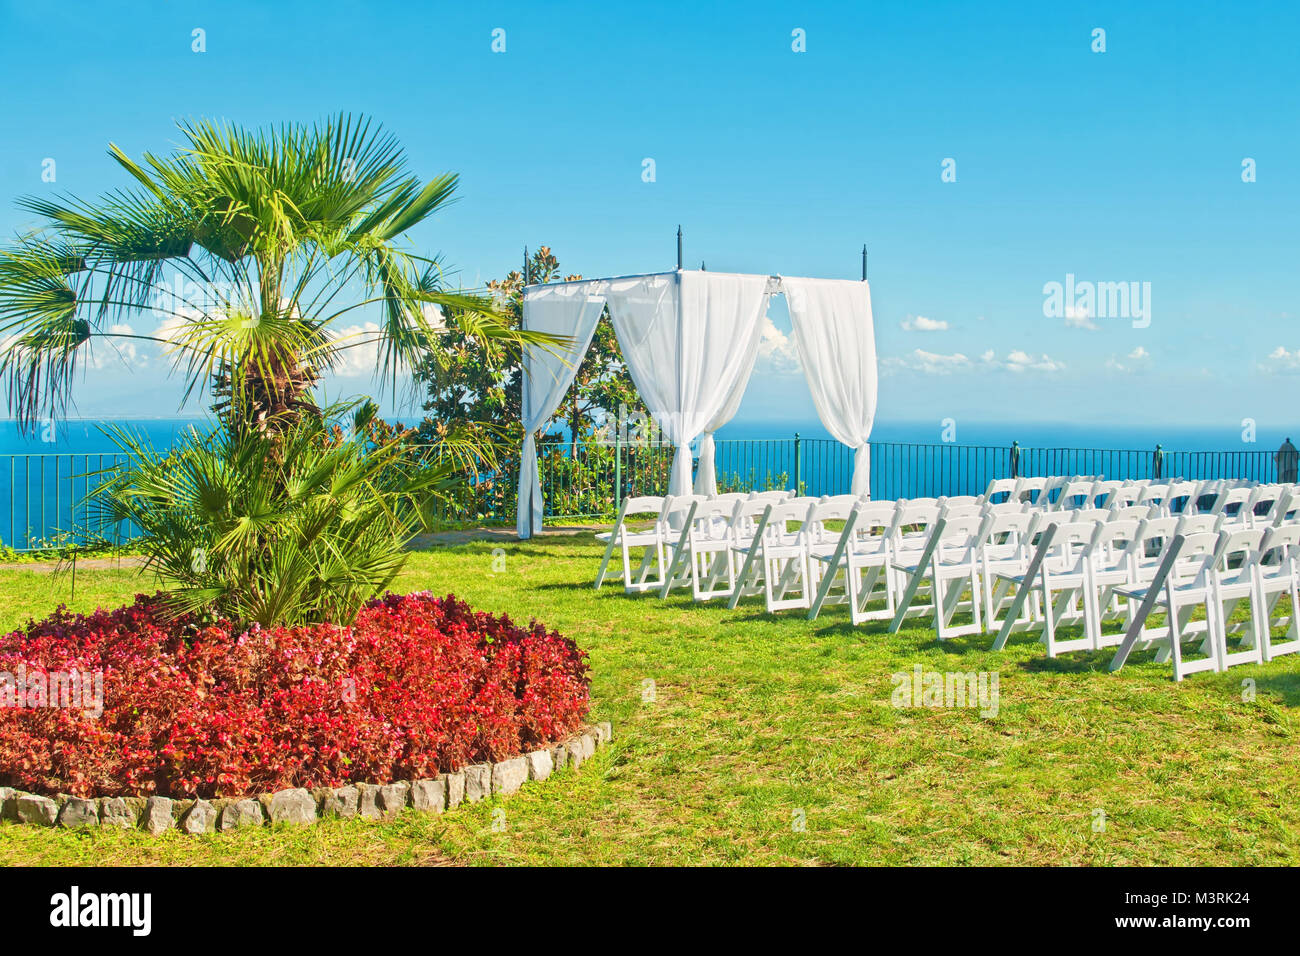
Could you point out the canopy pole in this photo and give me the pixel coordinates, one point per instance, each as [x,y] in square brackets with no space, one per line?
[679,247]
[524,273]
[864,262]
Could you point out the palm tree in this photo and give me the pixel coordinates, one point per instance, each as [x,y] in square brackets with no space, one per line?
[276,237]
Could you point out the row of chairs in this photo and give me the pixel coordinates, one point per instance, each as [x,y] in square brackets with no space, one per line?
[1017,558]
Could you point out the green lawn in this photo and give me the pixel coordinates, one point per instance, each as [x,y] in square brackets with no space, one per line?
[758,720]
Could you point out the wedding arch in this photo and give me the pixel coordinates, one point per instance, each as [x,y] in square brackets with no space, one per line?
[690,340]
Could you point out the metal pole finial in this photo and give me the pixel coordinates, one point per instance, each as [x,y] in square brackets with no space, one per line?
[679,246]
[864,262]
[525,272]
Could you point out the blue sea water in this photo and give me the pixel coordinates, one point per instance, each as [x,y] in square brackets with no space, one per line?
[45,476]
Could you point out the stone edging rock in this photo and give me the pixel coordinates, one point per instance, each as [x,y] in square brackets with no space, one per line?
[298,806]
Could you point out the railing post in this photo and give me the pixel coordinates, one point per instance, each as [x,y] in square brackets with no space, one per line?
[1015,459]
[618,471]
[798,467]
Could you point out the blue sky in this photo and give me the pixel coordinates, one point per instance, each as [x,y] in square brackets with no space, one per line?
[1122,166]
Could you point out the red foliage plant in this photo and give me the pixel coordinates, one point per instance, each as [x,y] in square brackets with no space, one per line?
[417,686]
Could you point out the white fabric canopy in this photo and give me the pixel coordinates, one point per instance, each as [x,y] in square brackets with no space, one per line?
[690,341]
[569,309]
[833,332]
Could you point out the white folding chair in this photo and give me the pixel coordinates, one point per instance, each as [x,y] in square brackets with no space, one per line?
[1182,583]
[951,563]
[1277,575]
[1112,559]
[1235,581]
[679,520]
[1006,550]
[747,524]
[781,555]
[1057,577]
[710,545]
[861,559]
[909,537]
[650,540]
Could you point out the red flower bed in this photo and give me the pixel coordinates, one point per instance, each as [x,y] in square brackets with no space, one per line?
[418,685]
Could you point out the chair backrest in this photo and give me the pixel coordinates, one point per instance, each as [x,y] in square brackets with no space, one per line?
[1103,492]
[1182,497]
[848,501]
[1199,524]
[1009,527]
[1269,504]
[714,517]
[913,515]
[1234,502]
[1126,495]
[1001,490]
[643,505]
[1071,541]
[962,511]
[814,530]
[1156,534]
[784,513]
[1280,544]
[875,520]
[1197,555]
[1135,512]
[772,497]
[959,537]
[1089,514]
[1031,489]
[960,501]
[926,501]
[1074,494]
[1238,553]
[1154,494]
[1116,541]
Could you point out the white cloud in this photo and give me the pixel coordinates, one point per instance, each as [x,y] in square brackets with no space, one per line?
[1138,358]
[929,363]
[919,323]
[1079,318]
[1021,361]
[777,352]
[1280,360]
[934,363]
[113,350]
[359,353]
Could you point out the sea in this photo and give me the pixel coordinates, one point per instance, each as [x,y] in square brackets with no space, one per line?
[45,476]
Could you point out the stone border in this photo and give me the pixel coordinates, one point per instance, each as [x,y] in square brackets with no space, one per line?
[298,806]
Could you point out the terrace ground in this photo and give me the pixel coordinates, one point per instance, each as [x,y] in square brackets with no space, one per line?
[755,724]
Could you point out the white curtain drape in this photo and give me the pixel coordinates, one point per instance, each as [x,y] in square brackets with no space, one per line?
[706,479]
[570,310]
[833,332]
[689,340]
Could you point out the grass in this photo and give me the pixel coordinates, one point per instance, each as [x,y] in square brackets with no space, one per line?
[759,721]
